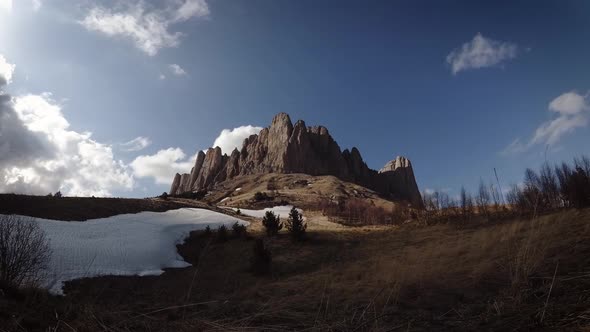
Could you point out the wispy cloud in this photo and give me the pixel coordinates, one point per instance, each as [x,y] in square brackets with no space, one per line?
[146,27]
[572,111]
[177,70]
[480,52]
[136,144]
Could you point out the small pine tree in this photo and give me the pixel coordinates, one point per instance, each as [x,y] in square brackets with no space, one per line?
[239,230]
[261,259]
[58,194]
[207,231]
[295,225]
[272,223]
[222,233]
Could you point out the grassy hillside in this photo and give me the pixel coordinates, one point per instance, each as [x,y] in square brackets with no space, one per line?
[302,190]
[504,275]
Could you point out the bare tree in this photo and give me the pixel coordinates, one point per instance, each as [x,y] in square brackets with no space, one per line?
[582,162]
[563,173]
[532,189]
[24,251]
[549,187]
[495,196]
[483,198]
[466,203]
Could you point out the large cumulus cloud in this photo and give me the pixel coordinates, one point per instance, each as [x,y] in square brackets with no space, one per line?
[39,153]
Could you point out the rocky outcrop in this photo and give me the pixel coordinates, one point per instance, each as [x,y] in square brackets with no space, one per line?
[174,189]
[287,148]
[397,178]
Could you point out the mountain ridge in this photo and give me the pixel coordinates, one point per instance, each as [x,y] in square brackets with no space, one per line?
[286,148]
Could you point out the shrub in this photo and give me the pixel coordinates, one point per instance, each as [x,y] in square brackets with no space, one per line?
[295,225]
[164,196]
[579,188]
[272,185]
[261,259]
[272,223]
[58,195]
[222,233]
[207,232]
[199,195]
[239,212]
[24,251]
[239,230]
[357,211]
[261,196]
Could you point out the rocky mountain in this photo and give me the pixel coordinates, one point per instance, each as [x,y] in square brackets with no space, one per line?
[287,148]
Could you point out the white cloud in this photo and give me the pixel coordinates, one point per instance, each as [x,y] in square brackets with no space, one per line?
[550,132]
[163,165]
[148,28]
[569,103]
[191,8]
[162,77]
[516,146]
[6,71]
[80,165]
[228,139]
[136,144]
[176,70]
[479,53]
[40,154]
[572,109]
[6,5]
[37,4]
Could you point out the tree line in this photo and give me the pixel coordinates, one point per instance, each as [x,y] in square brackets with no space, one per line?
[548,189]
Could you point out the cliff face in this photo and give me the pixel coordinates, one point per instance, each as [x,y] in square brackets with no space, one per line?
[287,148]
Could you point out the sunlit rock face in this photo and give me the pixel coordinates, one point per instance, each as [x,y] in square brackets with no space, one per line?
[286,148]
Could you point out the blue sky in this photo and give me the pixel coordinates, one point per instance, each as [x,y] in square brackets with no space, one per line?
[459,87]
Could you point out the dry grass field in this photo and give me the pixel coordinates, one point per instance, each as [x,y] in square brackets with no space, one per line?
[503,275]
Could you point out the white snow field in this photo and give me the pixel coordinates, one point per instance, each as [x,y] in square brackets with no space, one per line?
[282,211]
[128,244]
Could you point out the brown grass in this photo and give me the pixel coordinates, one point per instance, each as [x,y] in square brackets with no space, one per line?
[478,276]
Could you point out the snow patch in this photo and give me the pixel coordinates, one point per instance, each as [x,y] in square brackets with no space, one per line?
[129,244]
[282,211]
[238,189]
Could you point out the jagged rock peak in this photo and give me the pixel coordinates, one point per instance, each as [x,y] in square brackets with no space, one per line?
[286,148]
[396,163]
[282,121]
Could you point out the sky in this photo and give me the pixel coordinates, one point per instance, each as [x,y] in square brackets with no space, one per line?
[113,97]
